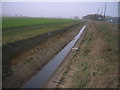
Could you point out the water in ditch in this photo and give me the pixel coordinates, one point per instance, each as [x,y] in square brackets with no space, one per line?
[38,80]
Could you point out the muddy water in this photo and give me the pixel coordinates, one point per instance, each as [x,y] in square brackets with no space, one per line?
[38,80]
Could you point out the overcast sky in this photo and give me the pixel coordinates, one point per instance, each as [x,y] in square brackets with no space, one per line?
[56,9]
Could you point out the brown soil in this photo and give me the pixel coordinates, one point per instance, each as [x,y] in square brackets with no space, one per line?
[94,64]
[25,65]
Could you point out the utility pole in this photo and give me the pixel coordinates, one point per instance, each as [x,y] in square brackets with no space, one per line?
[98,11]
[105,11]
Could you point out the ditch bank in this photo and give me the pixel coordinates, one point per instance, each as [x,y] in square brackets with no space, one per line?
[94,64]
[13,49]
[26,57]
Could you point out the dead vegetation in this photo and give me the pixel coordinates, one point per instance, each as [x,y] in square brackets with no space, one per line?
[95,64]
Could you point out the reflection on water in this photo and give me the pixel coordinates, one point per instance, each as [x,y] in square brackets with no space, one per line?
[42,76]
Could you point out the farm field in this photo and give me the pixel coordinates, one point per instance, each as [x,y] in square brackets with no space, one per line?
[19,28]
[13,22]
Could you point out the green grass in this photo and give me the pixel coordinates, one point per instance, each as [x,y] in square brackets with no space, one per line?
[13,22]
[15,28]
[80,78]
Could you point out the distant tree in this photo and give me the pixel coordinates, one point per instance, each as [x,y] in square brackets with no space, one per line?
[101,18]
[76,17]
[93,17]
[16,15]
[21,15]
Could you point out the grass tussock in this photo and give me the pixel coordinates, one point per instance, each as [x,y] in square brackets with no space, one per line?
[96,63]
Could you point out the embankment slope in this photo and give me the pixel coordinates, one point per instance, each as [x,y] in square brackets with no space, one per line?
[23,66]
[95,63]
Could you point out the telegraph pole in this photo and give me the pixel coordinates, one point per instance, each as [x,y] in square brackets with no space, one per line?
[98,11]
[105,11]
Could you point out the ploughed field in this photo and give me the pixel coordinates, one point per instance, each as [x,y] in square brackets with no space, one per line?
[19,28]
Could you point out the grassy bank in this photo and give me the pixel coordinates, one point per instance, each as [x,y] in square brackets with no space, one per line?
[23,66]
[95,65]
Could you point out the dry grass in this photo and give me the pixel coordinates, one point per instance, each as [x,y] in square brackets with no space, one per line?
[95,65]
